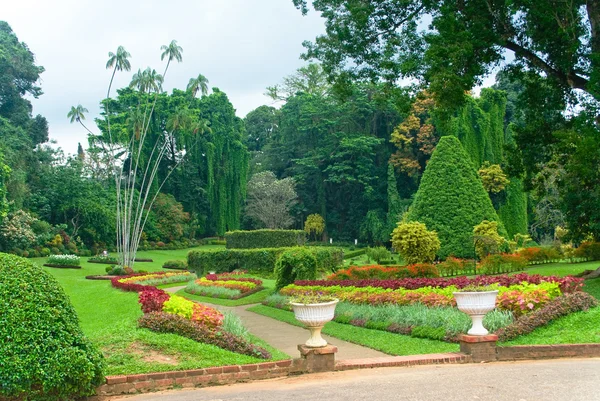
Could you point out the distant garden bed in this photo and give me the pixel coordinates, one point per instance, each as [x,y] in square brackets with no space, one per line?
[224,286]
[62,266]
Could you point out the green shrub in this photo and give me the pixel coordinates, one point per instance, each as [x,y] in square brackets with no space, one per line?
[434,333]
[588,251]
[175,264]
[451,199]
[43,352]
[415,243]
[486,238]
[353,254]
[500,264]
[378,254]
[328,259]
[264,239]
[295,264]
[255,260]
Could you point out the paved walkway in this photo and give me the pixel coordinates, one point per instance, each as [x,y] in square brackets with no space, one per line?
[555,380]
[286,337]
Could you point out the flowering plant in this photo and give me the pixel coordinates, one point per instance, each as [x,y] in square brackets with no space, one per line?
[312,298]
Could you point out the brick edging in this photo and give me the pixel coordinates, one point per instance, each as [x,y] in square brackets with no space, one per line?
[131,384]
[412,360]
[524,352]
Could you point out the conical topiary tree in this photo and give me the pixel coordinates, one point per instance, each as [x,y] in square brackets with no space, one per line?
[451,199]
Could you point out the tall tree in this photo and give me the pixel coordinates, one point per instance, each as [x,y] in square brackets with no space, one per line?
[198,84]
[384,39]
[269,200]
[118,61]
[77,113]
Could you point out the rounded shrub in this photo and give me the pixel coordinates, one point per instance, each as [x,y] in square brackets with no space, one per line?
[415,243]
[43,352]
[295,264]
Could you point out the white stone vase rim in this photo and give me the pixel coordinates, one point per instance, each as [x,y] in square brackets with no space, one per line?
[335,301]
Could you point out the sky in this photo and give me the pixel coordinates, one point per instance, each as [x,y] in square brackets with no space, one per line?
[240,46]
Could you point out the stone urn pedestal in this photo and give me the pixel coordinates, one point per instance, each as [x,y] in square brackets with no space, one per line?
[476,304]
[314,316]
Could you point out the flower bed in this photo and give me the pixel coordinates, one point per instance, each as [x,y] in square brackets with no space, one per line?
[227,285]
[139,281]
[385,272]
[66,261]
[517,298]
[174,314]
[566,284]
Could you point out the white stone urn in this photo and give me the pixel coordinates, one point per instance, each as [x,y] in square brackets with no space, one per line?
[476,304]
[314,316]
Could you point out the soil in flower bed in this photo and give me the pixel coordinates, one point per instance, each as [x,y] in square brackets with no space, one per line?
[62,266]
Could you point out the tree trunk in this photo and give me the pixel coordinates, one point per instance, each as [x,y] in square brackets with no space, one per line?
[593,274]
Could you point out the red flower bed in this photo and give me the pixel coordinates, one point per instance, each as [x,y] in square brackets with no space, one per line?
[152,299]
[567,284]
[131,286]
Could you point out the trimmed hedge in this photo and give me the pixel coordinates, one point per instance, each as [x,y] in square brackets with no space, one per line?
[353,254]
[295,264]
[256,260]
[264,239]
[43,352]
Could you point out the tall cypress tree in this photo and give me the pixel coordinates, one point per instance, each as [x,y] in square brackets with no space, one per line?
[451,199]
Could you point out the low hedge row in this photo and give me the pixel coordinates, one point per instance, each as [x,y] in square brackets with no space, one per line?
[256,260]
[264,239]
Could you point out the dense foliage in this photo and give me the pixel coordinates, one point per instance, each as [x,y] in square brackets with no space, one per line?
[266,238]
[451,199]
[43,352]
[295,264]
[415,243]
[256,260]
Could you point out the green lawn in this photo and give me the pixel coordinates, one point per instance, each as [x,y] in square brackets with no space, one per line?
[389,343]
[109,318]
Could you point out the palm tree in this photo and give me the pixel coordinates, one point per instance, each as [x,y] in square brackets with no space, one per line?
[147,80]
[200,83]
[77,114]
[172,51]
[119,61]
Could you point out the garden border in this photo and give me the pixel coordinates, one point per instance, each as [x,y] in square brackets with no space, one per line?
[475,349]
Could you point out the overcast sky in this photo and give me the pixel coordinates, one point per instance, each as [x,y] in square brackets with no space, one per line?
[241,46]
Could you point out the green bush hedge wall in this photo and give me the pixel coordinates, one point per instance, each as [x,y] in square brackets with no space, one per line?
[256,260]
[451,199]
[43,352]
[264,239]
[295,264]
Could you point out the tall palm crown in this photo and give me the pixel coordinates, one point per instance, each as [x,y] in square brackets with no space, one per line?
[77,113]
[147,80]
[198,84]
[173,52]
[119,61]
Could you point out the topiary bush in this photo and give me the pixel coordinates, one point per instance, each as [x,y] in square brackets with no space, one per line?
[451,199]
[378,253]
[43,352]
[295,264]
[415,243]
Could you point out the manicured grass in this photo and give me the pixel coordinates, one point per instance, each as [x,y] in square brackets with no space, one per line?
[562,268]
[389,343]
[109,318]
[579,327]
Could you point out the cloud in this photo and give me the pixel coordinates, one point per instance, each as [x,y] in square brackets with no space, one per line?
[240,46]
